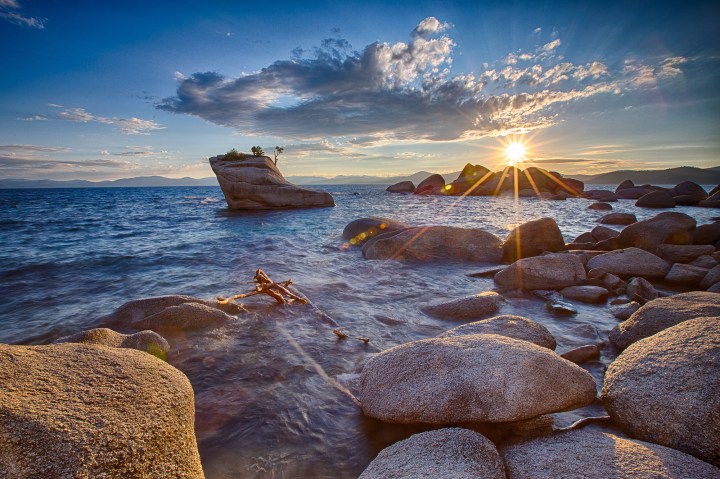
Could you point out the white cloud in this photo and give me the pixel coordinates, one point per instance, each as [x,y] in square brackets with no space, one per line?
[128,126]
[401,92]
[33,118]
[31,148]
[9,10]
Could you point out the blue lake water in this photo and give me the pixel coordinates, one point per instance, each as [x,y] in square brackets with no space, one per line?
[69,256]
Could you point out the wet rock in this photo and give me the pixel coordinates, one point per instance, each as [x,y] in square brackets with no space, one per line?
[710,278]
[438,243]
[618,219]
[663,313]
[451,453]
[553,271]
[685,274]
[600,207]
[184,317]
[666,389]
[133,313]
[81,410]
[705,261]
[585,294]
[624,185]
[360,230]
[402,187]
[532,239]
[624,311]
[465,378]
[656,199]
[255,183]
[676,253]
[148,341]
[632,193]
[469,307]
[433,184]
[707,234]
[582,354]
[631,262]
[559,307]
[516,327]
[594,454]
[665,228]
[641,290]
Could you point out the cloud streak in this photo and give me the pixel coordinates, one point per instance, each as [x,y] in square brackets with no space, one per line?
[10,12]
[402,92]
[128,126]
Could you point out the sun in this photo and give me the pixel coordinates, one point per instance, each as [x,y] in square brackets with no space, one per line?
[515,153]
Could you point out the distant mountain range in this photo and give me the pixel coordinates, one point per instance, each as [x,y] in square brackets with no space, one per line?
[671,176]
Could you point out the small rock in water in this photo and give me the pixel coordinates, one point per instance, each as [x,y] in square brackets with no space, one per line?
[600,206]
[618,219]
[468,307]
[560,307]
[586,294]
[582,354]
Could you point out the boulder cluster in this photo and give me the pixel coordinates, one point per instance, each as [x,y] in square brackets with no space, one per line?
[662,390]
[476,180]
[686,193]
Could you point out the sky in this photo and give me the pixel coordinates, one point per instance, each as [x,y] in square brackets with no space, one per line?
[107,90]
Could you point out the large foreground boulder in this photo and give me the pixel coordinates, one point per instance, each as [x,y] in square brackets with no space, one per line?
[662,313]
[255,183]
[516,327]
[76,410]
[665,228]
[630,262]
[437,243]
[599,455]
[666,388]
[473,378]
[532,239]
[469,307]
[450,453]
[360,230]
[552,271]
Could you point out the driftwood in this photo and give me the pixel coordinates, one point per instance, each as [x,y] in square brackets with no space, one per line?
[265,285]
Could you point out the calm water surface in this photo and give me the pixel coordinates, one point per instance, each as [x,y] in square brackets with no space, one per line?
[70,256]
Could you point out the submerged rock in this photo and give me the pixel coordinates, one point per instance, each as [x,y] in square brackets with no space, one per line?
[360,230]
[466,379]
[553,271]
[666,388]
[663,313]
[80,410]
[594,454]
[450,453]
[516,327]
[631,262]
[437,243]
[532,239]
[469,307]
[148,341]
[255,183]
[171,314]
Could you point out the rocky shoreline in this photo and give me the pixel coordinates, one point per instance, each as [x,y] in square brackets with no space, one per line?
[110,406]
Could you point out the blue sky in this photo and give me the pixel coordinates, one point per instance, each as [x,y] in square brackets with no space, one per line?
[95,91]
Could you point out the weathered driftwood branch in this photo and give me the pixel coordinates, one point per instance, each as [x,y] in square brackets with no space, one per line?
[265,285]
